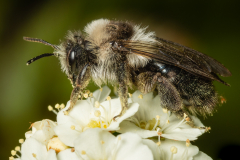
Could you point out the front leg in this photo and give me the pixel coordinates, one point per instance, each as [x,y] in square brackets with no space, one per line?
[122,79]
[82,81]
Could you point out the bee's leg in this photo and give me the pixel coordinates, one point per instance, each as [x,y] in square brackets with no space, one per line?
[123,88]
[172,101]
[82,81]
[169,95]
[146,81]
[73,98]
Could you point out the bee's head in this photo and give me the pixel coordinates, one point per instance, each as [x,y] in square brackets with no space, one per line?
[71,53]
[74,55]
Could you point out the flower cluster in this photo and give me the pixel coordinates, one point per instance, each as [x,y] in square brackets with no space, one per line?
[145,131]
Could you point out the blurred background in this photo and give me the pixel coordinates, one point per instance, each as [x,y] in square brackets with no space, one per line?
[212,27]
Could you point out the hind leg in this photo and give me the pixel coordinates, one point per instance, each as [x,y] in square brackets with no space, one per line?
[170,97]
[171,100]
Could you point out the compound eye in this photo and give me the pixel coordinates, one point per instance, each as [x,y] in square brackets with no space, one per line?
[72,56]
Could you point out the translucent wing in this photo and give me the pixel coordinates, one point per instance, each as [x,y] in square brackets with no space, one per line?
[181,56]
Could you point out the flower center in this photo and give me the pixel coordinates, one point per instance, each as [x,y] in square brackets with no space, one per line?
[56,144]
[97,124]
[150,124]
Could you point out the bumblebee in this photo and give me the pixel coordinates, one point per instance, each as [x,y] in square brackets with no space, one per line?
[124,55]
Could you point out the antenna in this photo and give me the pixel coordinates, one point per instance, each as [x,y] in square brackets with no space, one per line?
[42,55]
[38,57]
[40,41]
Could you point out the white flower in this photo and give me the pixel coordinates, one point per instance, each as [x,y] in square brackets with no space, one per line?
[98,144]
[91,113]
[201,156]
[84,134]
[42,131]
[32,149]
[150,121]
[68,154]
[42,144]
[175,150]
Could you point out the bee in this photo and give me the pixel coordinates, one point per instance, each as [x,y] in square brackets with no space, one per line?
[124,55]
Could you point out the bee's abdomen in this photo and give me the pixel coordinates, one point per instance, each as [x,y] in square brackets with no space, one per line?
[198,93]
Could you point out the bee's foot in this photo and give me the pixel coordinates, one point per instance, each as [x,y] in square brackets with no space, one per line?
[207,129]
[116,117]
[69,109]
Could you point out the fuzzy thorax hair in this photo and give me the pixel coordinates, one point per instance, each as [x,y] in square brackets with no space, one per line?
[97,33]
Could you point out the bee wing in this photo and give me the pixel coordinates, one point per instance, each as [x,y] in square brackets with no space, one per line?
[181,56]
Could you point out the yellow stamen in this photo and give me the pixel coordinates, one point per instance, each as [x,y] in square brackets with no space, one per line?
[158,143]
[173,149]
[17,148]
[165,110]
[11,158]
[91,95]
[83,152]
[34,155]
[85,95]
[97,104]
[50,108]
[97,113]
[13,152]
[188,143]
[57,106]
[108,98]
[73,127]
[62,106]
[21,141]
[130,95]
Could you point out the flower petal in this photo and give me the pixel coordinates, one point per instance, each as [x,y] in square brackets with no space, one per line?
[90,142]
[170,126]
[183,152]
[98,144]
[78,118]
[153,147]
[80,113]
[68,155]
[42,131]
[31,147]
[182,134]
[127,126]
[132,147]
[201,156]
[66,134]
[51,155]
[100,95]
[129,112]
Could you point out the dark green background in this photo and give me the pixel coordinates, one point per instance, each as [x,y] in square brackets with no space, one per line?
[211,27]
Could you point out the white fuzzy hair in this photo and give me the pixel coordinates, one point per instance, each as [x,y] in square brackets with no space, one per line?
[140,34]
[62,58]
[97,35]
[62,50]
[96,31]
